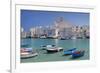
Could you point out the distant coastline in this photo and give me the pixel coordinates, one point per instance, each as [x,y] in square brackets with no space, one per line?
[54,38]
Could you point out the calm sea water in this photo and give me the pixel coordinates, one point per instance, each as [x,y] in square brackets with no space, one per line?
[80,44]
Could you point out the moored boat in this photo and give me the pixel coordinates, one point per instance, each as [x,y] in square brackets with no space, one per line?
[44,47]
[77,54]
[62,38]
[27,53]
[73,37]
[54,49]
[69,51]
[26,50]
[43,37]
[73,49]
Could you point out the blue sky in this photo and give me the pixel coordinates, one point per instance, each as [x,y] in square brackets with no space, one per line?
[33,18]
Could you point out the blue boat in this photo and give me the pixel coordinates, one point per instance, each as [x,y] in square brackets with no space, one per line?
[77,54]
[69,52]
[73,49]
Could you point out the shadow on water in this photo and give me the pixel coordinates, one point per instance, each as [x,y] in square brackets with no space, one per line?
[76,58]
[66,55]
[49,52]
[28,57]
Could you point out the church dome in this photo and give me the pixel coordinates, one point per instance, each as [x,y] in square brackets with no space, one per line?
[61,23]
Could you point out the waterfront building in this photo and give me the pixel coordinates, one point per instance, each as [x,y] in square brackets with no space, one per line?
[36,31]
[81,31]
[86,31]
[32,31]
[62,28]
[51,32]
[67,30]
[28,34]
[23,33]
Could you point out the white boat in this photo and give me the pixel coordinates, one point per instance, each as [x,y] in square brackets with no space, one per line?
[27,53]
[43,37]
[74,38]
[44,47]
[54,49]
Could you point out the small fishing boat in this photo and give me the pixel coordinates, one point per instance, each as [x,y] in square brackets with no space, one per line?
[26,49]
[62,38]
[44,47]
[54,49]
[74,37]
[43,37]
[73,49]
[77,54]
[27,53]
[69,52]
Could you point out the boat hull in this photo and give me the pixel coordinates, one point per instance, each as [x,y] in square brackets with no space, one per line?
[29,56]
[78,54]
[54,50]
[69,52]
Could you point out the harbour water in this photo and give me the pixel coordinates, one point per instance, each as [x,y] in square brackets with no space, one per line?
[80,44]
